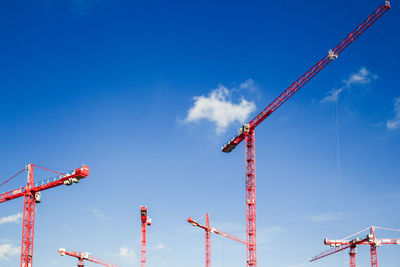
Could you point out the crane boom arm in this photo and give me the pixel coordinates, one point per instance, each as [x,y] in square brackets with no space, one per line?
[75,175]
[86,256]
[228,236]
[213,230]
[339,248]
[300,82]
[395,241]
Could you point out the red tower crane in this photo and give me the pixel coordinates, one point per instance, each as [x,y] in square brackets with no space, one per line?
[208,231]
[82,256]
[246,132]
[343,244]
[31,194]
[146,221]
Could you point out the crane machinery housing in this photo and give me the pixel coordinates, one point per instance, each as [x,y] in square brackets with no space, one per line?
[31,194]
[246,132]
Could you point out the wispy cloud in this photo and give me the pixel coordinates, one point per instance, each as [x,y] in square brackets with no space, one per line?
[395,122]
[11,219]
[326,217]
[219,108]
[159,246]
[249,85]
[363,76]
[267,235]
[97,213]
[299,265]
[125,253]
[8,250]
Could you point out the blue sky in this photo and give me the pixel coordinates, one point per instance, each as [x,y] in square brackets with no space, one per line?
[146,93]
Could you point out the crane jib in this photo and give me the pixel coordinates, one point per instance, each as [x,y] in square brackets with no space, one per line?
[300,82]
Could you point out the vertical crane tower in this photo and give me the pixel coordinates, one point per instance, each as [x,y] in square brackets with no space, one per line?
[208,231]
[31,194]
[146,221]
[246,132]
[82,256]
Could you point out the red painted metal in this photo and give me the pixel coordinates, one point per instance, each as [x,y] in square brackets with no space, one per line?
[86,257]
[247,130]
[352,254]
[31,194]
[28,221]
[208,242]
[374,255]
[338,245]
[370,240]
[251,199]
[145,220]
[208,231]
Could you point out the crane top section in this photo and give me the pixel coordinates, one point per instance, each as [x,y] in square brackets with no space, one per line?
[370,239]
[143,216]
[300,82]
[338,248]
[86,256]
[213,230]
[67,179]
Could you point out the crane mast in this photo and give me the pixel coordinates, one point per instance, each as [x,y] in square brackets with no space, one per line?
[246,132]
[31,194]
[145,221]
[85,256]
[208,231]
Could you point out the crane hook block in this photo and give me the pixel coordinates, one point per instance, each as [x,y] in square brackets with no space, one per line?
[332,55]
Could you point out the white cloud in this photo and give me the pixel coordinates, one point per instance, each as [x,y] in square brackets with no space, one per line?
[97,213]
[159,246]
[249,84]
[363,76]
[274,229]
[299,265]
[11,219]
[332,96]
[326,217]
[8,250]
[395,122]
[218,108]
[125,252]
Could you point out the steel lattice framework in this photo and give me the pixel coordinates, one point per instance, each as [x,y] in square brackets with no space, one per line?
[370,240]
[86,256]
[247,130]
[208,231]
[145,221]
[31,194]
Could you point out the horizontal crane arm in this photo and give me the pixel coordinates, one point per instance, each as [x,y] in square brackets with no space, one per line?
[213,230]
[86,256]
[194,223]
[385,241]
[300,82]
[345,245]
[78,174]
[228,236]
[12,194]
